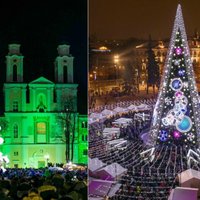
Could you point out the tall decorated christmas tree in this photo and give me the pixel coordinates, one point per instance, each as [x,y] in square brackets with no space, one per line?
[176,116]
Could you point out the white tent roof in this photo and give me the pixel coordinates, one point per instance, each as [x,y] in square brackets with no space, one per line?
[122,119]
[113,169]
[94,115]
[111,130]
[95,164]
[117,141]
[132,107]
[188,175]
[143,107]
[119,109]
[107,112]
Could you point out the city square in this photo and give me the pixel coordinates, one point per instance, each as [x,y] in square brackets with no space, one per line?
[144,117]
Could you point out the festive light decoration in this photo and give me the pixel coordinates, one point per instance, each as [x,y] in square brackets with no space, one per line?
[176,114]
[179,94]
[168,100]
[177,134]
[190,136]
[176,84]
[163,135]
[177,62]
[178,51]
[185,125]
[181,72]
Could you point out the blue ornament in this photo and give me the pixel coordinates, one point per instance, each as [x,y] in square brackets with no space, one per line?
[163,135]
[181,72]
[176,84]
[185,125]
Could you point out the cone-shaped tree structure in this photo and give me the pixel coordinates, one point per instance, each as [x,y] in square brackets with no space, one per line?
[176,116]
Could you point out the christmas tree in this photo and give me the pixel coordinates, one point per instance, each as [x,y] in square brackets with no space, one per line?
[176,113]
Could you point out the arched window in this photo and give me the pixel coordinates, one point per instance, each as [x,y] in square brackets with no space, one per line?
[84,124]
[14,73]
[15,131]
[65,74]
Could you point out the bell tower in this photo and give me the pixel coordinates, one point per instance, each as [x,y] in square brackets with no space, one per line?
[14,64]
[65,89]
[64,65]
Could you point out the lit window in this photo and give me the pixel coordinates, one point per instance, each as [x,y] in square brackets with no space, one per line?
[41,128]
[84,124]
[15,131]
[15,105]
[85,152]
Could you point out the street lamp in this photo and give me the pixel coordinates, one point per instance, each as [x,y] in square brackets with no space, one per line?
[116,61]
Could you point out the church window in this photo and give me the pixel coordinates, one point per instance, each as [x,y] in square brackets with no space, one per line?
[84,124]
[85,152]
[15,131]
[54,96]
[41,128]
[27,95]
[15,105]
[14,72]
[65,74]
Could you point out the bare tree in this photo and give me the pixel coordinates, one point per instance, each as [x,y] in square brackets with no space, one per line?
[68,121]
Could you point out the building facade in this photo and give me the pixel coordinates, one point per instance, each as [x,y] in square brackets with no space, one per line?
[36,114]
[160,49]
[105,74]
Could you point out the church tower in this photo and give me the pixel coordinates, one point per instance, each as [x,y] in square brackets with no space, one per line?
[14,88]
[14,63]
[64,65]
[65,89]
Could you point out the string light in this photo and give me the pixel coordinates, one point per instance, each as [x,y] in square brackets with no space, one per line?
[178,48]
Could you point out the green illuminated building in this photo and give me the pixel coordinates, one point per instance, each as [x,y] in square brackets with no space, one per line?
[36,114]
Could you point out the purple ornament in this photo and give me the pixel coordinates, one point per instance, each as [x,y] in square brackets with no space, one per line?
[178,94]
[178,51]
[176,134]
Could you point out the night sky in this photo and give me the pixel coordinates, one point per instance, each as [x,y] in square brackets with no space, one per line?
[117,19]
[40,29]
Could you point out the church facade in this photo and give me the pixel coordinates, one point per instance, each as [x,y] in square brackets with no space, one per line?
[36,114]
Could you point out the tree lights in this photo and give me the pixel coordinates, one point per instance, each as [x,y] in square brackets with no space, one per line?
[176,113]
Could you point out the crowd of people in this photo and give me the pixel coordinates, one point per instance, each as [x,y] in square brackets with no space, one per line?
[43,184]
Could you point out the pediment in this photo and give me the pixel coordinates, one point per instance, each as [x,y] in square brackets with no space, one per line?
[41,80]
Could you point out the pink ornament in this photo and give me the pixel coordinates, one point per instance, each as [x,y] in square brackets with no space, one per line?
[178,94]
[177,134]
[178,51]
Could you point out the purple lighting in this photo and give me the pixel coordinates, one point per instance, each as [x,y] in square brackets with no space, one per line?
[177,134]
[178,51]
[178,94]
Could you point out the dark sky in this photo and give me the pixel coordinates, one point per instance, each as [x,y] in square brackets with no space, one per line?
[40,28]
[120,19]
